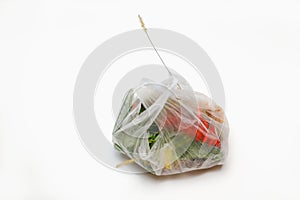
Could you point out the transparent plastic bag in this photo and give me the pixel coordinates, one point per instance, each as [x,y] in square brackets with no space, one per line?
[167,128]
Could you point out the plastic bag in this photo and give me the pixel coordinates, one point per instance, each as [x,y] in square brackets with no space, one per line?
[167,128]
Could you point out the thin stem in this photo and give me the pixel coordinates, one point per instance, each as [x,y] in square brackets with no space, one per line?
[145,30]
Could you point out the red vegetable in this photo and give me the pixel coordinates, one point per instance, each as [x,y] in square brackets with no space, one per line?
[203,132]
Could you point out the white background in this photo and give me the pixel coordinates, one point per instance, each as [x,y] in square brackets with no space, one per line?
[254,44]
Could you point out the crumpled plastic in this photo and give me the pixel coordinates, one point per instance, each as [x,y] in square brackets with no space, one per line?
[167,128]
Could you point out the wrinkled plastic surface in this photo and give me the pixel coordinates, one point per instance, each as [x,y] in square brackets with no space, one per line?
[167,128]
